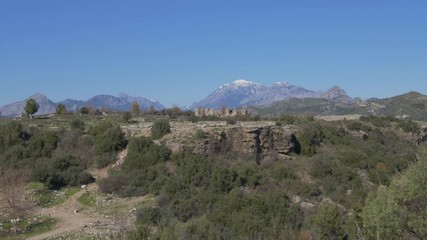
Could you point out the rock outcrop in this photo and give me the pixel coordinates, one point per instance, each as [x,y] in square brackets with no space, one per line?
[266,140]
[255,140]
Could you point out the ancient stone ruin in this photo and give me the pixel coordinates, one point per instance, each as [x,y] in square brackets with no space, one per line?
[223,112]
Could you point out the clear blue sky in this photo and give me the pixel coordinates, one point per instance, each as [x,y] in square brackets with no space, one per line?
[180,51]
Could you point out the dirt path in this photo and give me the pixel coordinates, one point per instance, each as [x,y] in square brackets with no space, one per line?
[68,218]
[67,222]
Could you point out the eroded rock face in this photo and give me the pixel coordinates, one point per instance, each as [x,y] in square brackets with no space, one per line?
[259,141]
[246,139]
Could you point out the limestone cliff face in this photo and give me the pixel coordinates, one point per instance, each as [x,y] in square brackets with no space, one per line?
[263,141]
[256,140]
[252,140]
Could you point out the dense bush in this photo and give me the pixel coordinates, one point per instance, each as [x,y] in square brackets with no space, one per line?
[330,222]
[61,157]
[11,134]
[143,170]
[108,137]
[61,171]
[160,128]
[310,138]
[77,124]
[200,134]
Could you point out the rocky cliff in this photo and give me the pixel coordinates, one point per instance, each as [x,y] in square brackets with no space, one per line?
[247,140]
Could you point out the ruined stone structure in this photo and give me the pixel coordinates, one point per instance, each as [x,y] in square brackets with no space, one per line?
[223,112]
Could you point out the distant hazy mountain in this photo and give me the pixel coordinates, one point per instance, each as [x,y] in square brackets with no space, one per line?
[143,102]
[123,102]
[16,108]
[337,94]
[73,105]
[245,93]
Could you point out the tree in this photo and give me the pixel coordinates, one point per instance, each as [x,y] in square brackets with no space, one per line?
[382,216]
[84,110]
[61,109]
[31,107]
[135,108]
[175,111]
[399,211]
[15,202]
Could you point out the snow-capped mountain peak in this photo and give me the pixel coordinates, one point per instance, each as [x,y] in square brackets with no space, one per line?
[243,83]
[239,84]
[284,84]
[245,93]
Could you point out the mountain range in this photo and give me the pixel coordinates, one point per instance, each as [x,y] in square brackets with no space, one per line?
[122,103]
[245,93]
[272,99]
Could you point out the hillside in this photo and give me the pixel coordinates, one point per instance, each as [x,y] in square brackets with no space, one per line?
[410,105]
[316,106]
[229,179]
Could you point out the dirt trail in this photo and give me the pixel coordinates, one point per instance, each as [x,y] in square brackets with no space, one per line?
[67,222]
[68,219]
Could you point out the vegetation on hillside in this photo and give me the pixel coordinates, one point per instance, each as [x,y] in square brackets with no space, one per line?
[351,179]
[412,105]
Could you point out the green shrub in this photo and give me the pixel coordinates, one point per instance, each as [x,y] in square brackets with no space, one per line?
[108,137]
[149,215]
[310,137]
[282,172]
[10,134]
[330,222]
[127,117]
[113,183]
[409,126]
[200,134]
[354,158]
[140,232]
[104,159]
[286,119]
[160,128]
[77,124]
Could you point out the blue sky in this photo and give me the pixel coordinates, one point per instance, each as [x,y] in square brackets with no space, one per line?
[180,51]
